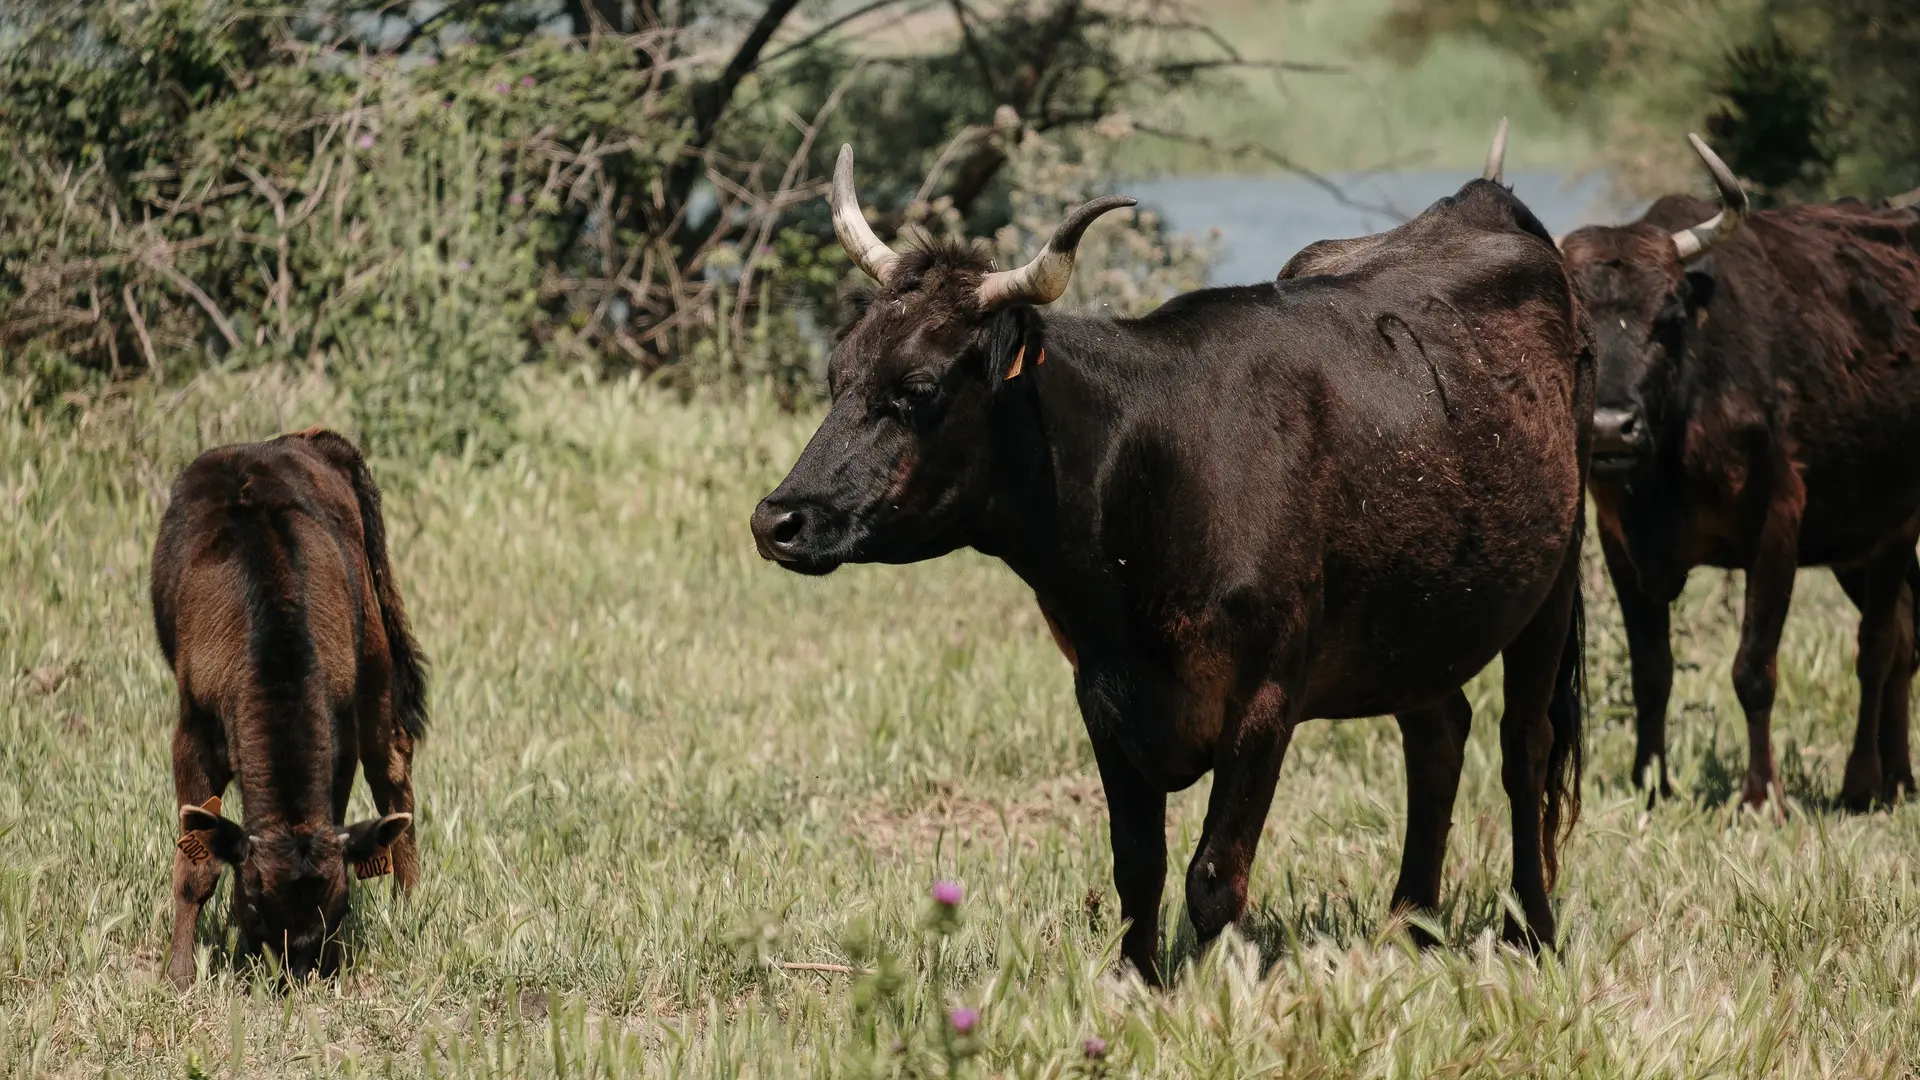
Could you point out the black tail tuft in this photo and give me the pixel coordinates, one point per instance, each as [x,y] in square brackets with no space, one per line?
[409,665]
[1566,761]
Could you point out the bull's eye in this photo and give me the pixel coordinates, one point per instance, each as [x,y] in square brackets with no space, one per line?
[917,392]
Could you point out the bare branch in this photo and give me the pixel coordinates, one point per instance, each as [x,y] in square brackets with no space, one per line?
[1274,157]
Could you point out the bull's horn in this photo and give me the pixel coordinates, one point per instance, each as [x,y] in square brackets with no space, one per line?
[868,252]
[1043,280]
[1692,243]
[1902,202]
[1497,154]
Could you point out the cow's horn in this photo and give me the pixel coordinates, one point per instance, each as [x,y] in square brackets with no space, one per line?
[868,252]
[1692,243]
[1043,280]
[1497,154]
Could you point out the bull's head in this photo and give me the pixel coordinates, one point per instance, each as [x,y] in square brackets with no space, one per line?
[901,465]
[1644,286]
[290,891]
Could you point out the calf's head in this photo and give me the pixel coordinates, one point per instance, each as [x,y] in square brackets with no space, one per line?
[1643,287]
[903,459]
[290,891]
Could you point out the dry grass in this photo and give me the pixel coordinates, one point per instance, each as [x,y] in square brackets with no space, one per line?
[660,767]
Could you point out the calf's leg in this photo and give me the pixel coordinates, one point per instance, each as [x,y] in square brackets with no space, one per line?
[1246,768]
[1137,816]
[1434,739]
[1650,655]
[200,771]
[386,753]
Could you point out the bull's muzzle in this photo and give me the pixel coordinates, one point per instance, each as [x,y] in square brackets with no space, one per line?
[1619,437]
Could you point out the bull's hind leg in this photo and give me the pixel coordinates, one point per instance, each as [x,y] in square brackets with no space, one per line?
[1884,667]
[1896,762]
[1537,669]
[386,754]
[200,771]
[1434,739]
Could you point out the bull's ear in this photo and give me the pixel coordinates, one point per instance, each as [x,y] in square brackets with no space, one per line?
[1700,284]
[203,832]
[1012,345]
[363,840]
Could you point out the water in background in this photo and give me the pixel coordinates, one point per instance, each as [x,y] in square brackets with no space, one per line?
[1264,220]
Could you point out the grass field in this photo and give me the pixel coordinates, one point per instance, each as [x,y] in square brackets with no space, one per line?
[660,768]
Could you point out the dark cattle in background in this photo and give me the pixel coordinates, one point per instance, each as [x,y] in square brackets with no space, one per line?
[1340,494]
[1759,409]
[278,613]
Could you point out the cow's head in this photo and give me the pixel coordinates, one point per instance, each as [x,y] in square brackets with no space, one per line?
[902,461]
[1644,287]
[290,891]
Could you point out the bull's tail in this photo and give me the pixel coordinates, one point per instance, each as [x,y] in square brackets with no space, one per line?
[409,688]
[1566,760]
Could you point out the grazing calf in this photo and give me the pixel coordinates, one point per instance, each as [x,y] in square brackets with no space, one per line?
[1759,410]
[1338,494]
[277,609]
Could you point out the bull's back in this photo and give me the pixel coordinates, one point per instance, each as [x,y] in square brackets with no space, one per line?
[1432,443]
[1820,317]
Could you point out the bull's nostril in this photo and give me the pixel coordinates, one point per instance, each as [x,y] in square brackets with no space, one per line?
[787,529]
[1628,426]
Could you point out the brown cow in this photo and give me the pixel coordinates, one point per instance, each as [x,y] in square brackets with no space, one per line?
[277,610]
[1337,494]
[1759,409]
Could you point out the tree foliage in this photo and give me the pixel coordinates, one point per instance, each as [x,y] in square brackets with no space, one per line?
[389,190]
[1804,98]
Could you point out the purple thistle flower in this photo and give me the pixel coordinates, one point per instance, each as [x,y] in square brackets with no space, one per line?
[463,266]
[501,88]
[948,893]
[527,81]
[964,1020]
[1095,1047]
[364,142]
[516,199]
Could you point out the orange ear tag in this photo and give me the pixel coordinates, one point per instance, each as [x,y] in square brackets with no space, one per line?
[190,844]
[380,865]
[1018,362]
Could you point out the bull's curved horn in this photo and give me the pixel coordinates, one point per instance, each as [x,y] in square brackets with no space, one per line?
[868,252]
[1043,280]
[1692,243]
[1497,154]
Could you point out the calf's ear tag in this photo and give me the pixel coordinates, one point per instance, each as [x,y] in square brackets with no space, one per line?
[190,844]
[380,864]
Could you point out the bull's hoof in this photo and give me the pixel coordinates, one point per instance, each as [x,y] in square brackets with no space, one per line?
[1859,798]
[1898,785]
[1862,787]
[1757,792]
[1521,937]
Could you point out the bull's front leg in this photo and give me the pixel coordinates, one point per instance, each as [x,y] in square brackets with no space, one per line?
[1246,768]
[1650,658]
[1137,814]
[1769,594]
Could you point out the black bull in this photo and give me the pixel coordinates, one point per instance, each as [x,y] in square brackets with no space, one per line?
[1339,494]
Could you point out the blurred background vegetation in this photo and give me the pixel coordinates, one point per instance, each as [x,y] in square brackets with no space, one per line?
[419,196]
